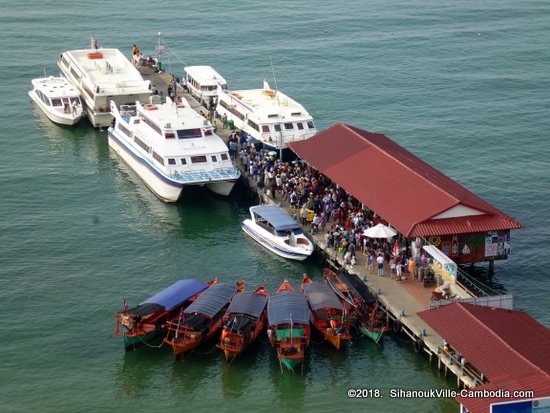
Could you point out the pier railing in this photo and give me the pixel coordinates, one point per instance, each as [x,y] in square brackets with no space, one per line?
[462,366]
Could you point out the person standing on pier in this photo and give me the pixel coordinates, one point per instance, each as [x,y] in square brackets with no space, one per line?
[380,261]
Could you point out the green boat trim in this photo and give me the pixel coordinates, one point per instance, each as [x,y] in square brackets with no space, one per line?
[131,343]
[290,363]
[374,335]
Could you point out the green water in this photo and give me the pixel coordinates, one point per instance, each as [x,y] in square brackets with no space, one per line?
[464,86]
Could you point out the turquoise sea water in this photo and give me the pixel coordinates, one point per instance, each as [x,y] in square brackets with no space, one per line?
[463,85]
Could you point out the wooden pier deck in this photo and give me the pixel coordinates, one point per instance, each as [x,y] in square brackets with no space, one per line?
[402,300]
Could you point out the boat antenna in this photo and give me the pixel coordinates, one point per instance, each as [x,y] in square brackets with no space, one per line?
[274,78]
[45,75]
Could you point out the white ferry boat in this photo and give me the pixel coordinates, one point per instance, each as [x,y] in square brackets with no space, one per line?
[170,146]
[58,99]
[101,76]
[202,82]
[273,229]
[266,115]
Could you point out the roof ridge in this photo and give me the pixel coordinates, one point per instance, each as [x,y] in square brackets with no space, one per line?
[413,170]
[499,338]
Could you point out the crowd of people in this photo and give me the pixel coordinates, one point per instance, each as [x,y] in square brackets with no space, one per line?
[321,205]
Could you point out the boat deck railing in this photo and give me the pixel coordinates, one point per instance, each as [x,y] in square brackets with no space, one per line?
[218,174]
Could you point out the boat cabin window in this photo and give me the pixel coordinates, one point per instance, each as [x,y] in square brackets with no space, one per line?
[296,231]
[277,127]
[311,125]
[158,158]
[300,126]
[253,125]
[171,161]
[142,144]
[189,133]
[265,128]
[296,113]
[183,161]
[224,157]
[289,126]
[198,159]
[169,135]
[124,130]
[207,132]
[57,102]
[214,159]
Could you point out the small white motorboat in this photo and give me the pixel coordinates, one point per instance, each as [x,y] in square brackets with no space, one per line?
[272,228]
[58,99]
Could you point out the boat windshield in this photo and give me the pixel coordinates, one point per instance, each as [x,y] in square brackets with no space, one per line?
[189,133]
[296,231]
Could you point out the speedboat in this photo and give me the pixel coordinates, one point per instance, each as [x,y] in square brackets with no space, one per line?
[101,76]
[266,115]
[58,99]
[170,147]
[275,230]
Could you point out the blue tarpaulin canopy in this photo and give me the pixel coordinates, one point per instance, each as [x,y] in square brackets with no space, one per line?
[287,306]
[321,296]
[247,303]
[212,300]
[177,293]
[275,216]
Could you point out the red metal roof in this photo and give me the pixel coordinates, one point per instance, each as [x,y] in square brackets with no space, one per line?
[401,188]
[501,344]
[539,383]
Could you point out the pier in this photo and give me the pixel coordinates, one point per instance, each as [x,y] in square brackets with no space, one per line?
[402,300]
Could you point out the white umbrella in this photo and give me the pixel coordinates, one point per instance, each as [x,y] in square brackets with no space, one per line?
[380,231]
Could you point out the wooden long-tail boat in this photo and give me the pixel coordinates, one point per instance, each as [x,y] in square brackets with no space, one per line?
[243,321]
[146,321]
[329,313]
[201,321]
[288,319]
[370,318]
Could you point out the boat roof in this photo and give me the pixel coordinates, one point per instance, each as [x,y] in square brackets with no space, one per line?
[172,116]
[287,307]
[205,75]
[212,300]
[275,216]
[248,303]
[175,294]
[321,296]
[109,69]
[55,87]
[356,286]
[269,106]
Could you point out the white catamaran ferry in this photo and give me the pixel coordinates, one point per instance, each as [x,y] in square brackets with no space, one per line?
[266,115]
[170,146]
[101,76]
[202,82]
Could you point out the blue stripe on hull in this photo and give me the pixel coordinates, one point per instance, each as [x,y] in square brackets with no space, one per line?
[144,162]
[272,247]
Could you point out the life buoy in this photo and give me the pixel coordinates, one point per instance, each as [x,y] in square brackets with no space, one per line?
[418,345]
[435,240]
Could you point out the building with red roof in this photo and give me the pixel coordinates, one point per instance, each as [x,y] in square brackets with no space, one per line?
[409,194]
[510,348]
